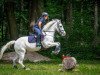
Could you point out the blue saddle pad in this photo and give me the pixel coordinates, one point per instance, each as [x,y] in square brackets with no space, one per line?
[31,39]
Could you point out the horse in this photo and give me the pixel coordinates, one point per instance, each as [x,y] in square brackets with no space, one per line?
[22,44]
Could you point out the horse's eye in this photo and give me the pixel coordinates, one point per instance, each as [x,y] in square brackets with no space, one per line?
[60,26]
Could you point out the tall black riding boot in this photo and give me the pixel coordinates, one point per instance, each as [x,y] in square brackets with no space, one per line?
[38,44]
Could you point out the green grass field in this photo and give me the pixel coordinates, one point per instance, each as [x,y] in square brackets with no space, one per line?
[86,67]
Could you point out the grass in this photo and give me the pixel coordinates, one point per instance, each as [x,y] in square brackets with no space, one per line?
[86,67]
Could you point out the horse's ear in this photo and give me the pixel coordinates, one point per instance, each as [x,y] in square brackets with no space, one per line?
[59,20]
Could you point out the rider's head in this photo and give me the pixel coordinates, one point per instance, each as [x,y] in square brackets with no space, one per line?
[45,15]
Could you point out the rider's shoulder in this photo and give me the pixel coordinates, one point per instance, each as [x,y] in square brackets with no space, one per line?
[42,19]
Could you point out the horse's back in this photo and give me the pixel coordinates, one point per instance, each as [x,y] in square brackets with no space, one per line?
[22,42]
[22,39]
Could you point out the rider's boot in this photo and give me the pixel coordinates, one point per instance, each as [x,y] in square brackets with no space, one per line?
[38,44]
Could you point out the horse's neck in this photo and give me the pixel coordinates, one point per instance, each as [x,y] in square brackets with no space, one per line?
[51,30]
[48,25]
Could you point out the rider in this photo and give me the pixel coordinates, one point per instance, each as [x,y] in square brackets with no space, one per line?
[39,25]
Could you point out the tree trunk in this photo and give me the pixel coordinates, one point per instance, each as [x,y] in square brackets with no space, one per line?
[32,13]
[32,10]
[98,22]
[81,12]
[21,13]
[95,23]
[45,3]
[9,9]
[2,23]
[39,8]
[2,32]
[35,7]
[61,3]
[68,16]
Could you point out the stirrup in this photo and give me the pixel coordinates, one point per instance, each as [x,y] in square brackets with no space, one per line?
[38,45]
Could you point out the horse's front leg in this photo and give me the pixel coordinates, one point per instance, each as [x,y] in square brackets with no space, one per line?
[58,47]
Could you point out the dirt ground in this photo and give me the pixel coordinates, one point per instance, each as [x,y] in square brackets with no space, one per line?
[30,56]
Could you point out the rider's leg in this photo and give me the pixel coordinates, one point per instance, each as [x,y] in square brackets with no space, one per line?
[39,33]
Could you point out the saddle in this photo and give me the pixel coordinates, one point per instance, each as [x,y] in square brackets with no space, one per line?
[33,38]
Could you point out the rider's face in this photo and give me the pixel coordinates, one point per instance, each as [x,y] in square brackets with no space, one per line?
[46,17]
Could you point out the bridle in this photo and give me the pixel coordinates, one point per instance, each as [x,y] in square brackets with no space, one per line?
[61,31]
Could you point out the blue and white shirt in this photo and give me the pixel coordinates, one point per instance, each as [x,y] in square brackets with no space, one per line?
[41,19]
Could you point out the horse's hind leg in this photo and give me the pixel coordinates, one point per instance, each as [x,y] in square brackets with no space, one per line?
[14,60]
[21,58]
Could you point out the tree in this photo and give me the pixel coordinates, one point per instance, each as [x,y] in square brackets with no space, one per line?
[1,22]
[35,10]
[68,15]
[81,12]
[96,25]
[9,9]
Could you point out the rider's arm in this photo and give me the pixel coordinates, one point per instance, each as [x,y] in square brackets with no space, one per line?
[39,24]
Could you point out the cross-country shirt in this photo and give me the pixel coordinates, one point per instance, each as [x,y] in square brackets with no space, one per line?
[41,19]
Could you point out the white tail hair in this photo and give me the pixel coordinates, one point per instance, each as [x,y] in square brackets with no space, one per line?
[5,47]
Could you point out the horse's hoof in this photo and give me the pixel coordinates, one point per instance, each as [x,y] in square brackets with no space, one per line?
[60,64]
[55,52]
[60,70]
[27,69]
[15,67]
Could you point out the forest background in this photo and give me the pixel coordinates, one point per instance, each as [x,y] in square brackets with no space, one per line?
[80,18]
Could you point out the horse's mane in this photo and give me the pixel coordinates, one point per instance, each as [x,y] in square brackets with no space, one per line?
[48,25]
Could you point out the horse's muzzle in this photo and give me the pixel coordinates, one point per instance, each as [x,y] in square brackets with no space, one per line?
[64,34]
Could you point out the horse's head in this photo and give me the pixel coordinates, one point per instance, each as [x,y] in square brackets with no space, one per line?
[53,25]
[60,28]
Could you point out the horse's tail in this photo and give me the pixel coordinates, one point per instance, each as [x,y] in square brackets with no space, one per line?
[5,47]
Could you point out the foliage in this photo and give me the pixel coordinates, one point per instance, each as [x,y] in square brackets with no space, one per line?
[80,40]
